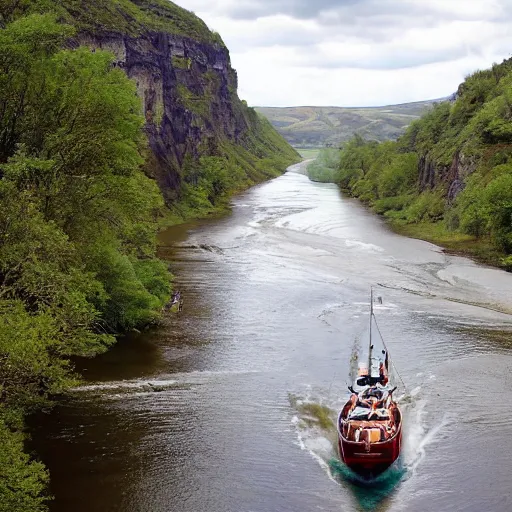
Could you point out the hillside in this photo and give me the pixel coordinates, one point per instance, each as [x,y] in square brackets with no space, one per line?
[187,86]
[316,127]
[448,179]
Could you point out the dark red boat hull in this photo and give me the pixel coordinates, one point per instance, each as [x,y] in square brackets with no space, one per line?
[373,459]
[373,462]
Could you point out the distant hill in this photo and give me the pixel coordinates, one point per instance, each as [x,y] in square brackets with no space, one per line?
[314,127]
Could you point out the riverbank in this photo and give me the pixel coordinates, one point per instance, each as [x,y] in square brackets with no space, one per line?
[325,169]
[452,242]
[182,211]
[180,214]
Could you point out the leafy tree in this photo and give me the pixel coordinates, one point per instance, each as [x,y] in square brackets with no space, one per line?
[325,167]
[22,481]
[78,221]
[399,176]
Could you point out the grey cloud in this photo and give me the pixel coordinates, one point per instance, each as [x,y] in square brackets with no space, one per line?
[295,39]
[382,60]
[303,9]
[371,22]
[343,12]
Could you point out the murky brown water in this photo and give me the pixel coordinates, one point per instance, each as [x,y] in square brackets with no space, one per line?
[201,415]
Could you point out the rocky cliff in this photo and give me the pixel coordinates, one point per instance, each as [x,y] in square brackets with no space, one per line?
[432,174]
[187,86]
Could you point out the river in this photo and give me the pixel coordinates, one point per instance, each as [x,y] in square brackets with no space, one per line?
[207,412]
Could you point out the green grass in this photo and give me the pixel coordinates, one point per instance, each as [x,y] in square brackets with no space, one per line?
[181,62]
[181,213]
[199,104]
[132,17]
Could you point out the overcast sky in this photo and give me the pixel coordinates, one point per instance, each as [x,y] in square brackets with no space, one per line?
[356,52]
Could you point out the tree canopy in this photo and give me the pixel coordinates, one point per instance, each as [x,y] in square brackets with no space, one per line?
[78,220]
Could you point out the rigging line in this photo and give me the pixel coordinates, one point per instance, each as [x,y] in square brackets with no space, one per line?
[393,364]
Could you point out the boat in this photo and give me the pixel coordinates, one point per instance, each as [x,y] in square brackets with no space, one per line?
[370,423]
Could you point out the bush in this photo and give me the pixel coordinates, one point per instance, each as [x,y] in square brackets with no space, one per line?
[325,167]
[22,480]
[429,206]
[392,203]
[399,176]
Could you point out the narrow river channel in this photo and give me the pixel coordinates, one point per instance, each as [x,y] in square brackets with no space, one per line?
[205,414]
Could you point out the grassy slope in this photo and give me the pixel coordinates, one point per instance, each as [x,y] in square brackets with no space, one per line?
[125,16]
[315,127]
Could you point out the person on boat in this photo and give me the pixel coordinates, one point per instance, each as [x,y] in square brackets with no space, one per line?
[373,392]
[367,398]
[383,374]
[379,413]
[353,400]
[364,402]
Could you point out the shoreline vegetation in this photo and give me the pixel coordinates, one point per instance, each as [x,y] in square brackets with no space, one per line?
[78,224]
[452,242]
[210,196]
[448,179]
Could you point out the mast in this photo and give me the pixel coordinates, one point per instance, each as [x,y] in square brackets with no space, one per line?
[370,345]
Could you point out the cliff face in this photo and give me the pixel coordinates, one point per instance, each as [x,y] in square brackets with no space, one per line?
[167,68]
[432,174]
[188,91]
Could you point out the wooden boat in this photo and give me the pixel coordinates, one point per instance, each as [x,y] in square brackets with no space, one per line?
[370,423]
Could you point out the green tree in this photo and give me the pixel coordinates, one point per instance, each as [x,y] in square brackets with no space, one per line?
[78,221]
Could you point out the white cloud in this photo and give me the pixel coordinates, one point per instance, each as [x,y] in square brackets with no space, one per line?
[357,52]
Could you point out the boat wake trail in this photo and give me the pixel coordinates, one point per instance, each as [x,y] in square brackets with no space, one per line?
[417,433]
[162,383]
[315,424]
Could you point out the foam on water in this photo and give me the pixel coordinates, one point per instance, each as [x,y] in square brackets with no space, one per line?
[365,246]
[321,443]
[126,386]
[159,384]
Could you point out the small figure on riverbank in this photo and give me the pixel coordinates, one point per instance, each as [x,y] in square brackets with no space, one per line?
[175,300]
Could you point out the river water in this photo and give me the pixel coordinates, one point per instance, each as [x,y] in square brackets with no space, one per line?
[211,412]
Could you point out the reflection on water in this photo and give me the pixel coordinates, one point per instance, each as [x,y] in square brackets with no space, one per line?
[196,415]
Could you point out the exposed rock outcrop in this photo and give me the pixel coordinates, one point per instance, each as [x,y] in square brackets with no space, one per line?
[186,83]
[188,91]
[452,177]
